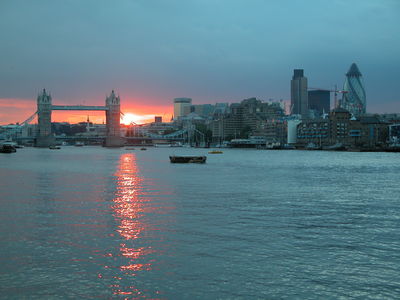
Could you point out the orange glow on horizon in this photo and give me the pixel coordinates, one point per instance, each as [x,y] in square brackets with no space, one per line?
[129,118]
[18,110]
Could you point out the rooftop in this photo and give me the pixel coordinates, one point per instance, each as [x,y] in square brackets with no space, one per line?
[353,71]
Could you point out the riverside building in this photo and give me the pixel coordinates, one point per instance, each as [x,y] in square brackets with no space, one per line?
[366,132]
[244,119]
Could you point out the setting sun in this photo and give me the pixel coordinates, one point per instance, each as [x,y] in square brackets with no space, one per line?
[129,118]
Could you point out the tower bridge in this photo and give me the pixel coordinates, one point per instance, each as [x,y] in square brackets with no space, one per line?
[45,138]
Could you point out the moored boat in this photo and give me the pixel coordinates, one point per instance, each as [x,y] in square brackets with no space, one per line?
[393,149]
[188,159]
[177,144]
[215,152]
[312,146]
[7,148]
[335,147]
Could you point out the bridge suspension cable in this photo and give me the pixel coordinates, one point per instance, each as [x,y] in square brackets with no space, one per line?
[27,121]
[12,132]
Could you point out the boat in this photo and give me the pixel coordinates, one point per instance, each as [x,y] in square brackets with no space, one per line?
[143,148]
[54,147]
[188,159]
[7,148]
[312,146]
[177,144]
[11,143]
[167,145]
[393,149]
[215,152]
[288,147]
[79,144]
[335,147]
[393,146]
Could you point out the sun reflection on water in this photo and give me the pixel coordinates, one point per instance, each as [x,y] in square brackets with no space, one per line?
[130,206]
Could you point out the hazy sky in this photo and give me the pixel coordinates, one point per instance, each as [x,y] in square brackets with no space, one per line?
[151,51]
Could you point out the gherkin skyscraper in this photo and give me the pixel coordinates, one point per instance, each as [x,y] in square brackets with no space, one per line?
[354,99]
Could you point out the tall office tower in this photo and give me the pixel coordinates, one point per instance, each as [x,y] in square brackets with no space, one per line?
[354,99]
[181,107]
[319,101]
[299,95]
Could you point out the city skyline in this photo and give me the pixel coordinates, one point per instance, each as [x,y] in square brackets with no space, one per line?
[210,52]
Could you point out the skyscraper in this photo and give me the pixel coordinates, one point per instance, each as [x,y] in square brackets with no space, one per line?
[181,107]
[319,101]
[299,95]
[354,99]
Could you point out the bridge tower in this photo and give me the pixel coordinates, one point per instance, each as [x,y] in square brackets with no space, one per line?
[113,115]
[44,138]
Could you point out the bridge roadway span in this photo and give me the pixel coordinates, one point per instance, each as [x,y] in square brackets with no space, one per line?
[78,107]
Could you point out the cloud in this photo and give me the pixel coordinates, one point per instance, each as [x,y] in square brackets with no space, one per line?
[208,50]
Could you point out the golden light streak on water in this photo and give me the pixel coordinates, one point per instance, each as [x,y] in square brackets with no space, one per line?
[129,208]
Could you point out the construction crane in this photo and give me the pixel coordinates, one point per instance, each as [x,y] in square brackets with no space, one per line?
[336,91]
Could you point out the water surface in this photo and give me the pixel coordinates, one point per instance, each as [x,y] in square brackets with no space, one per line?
[92,222]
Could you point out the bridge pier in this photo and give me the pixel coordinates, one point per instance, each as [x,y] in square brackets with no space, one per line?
[113,115]
[113,141]
[44,141]
[44,138]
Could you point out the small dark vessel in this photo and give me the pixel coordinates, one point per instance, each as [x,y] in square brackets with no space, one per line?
[312,146]
[7,148]
[54,147]
[215,152]
[335,147]
[188,159]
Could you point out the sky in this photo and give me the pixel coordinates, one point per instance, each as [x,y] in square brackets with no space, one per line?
[152,51]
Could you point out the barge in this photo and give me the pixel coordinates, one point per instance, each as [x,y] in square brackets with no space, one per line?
[188,159]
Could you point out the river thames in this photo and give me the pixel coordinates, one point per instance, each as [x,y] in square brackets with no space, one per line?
[90,222]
